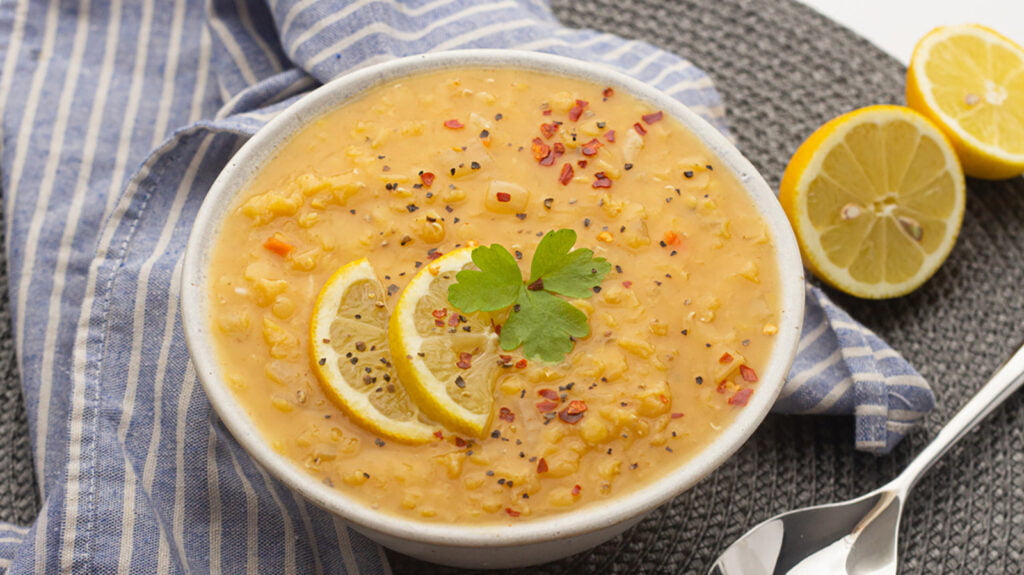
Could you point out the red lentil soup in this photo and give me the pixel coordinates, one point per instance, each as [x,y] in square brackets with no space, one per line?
[679,328]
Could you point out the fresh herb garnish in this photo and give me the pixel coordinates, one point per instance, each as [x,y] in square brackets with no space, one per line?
[540,321]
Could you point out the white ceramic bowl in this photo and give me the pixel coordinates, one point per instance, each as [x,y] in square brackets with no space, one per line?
[533,541]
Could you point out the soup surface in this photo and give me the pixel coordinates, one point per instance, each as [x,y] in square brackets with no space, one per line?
[679,327]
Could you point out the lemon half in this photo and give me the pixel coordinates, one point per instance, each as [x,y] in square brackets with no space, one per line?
[970,81]
[876,198]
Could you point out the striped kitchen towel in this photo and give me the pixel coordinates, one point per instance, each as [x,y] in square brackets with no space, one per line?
[117,117]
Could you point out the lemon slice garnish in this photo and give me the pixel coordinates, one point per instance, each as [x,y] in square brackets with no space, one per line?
[351,358]
[449,361]
[970,81]
[876,198]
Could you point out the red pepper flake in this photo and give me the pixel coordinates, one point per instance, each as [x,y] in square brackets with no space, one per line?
[465,360]
[576,406]
[540,149]
[576,489]
[505,359]
[548,394]
[453,124]
[546,113]
[497,329]
[722,386]
[434,255]
[506,415]
[609,136]
[726,358]
[591,147]
[640,129]
[582,163]
[601,181]
[652,118]
[503,196]
[627,284]
[556,152]
[439,323]
[542,465]
[438,434]
[677,415]
[664,399]
[427,178]
[440,313]
[459,442]
[453,320]
[546,406]
[741,397]
[548,130]
[576,111]
[567,174]
[512,512]
[608,92]
[748,374]
[672,238]
[521,364]
[278,245]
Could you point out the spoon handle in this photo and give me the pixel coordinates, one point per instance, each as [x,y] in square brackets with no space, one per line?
[1006,380]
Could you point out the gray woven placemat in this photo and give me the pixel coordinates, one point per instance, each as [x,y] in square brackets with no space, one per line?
[783,70]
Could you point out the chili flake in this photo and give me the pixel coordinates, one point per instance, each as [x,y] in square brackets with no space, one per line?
[440,313]
[438,434]
[726,358]
[653,117]
[576,111]
[591,147]
[548,130]
[748,374]
[640,129]
[506,415]
[540,149]
[608,92]
[465,360]
[548,394]
[576,489]
[427,178]
[546,406]
[453,124]
[564,178]
[542,465]
[601,181]
[741,397]
[677,415]
[556,152]
[521,364]
[512,512]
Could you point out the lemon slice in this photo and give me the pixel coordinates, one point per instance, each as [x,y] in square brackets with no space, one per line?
[876,198]
[448,360]
[970,81]
[351,358]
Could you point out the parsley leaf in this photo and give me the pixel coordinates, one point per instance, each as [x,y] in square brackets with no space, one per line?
[570,273]
[540,321]
[544,325]
[495,286]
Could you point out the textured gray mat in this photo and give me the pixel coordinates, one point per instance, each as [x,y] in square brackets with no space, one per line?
[783,70]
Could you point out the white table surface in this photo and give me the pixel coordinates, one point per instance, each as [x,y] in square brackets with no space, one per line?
[896,25]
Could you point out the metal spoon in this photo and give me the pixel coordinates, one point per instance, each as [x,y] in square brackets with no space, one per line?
[858,537]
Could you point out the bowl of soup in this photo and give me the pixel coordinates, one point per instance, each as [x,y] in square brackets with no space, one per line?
[490,307]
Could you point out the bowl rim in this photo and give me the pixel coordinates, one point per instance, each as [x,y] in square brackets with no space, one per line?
[590,518]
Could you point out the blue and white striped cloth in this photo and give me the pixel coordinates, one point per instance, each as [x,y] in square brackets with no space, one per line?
[117,116]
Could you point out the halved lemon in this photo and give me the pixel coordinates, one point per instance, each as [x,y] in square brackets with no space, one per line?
[970,80]
[448,360]
[351,358]
[876,198]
